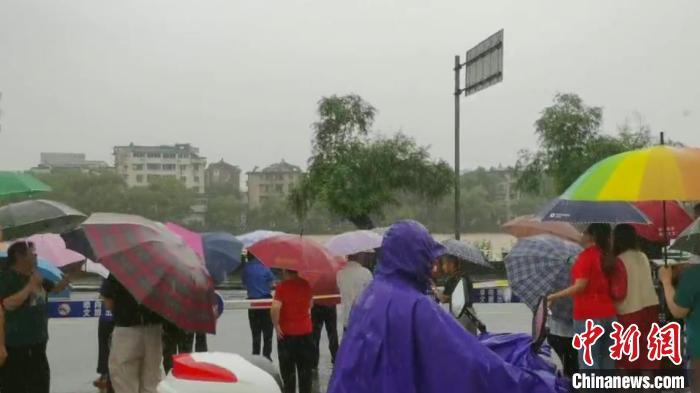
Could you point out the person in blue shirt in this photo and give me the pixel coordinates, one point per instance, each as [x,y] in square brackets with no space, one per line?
[258,281]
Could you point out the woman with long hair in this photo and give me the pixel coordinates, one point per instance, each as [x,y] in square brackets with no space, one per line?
[591,293]
[641,305]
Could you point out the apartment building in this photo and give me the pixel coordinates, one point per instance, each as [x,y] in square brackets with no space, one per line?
[274,181]
[139,165]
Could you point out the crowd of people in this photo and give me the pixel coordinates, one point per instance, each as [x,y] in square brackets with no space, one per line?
[394,337]
[593,277]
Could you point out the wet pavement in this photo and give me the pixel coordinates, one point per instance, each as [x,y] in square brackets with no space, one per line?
[72,347]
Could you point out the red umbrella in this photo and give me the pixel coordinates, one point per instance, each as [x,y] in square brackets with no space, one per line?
[310,259]
[156,267]
[677,219]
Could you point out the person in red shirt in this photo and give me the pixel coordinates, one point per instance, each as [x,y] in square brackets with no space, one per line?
[591,293]
[291,317]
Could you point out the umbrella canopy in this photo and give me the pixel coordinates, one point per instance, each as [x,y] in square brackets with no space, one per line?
[689,240]
[465,252]
[353,242]
[310,259]
[526,226]
[659,173]
[31,217]
[192,239]
[222,254]
[539,265]
[156,267]
[17,184]
[52,248]
[250,238]
[95,268]
[45,268]
[677,219]
[586,212]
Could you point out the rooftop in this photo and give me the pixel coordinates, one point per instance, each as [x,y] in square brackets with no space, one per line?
[280,167]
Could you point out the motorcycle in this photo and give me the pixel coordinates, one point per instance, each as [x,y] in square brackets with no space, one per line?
[526,351]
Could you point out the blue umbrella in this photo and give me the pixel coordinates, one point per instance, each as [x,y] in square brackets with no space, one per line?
[585,212]
[539,265]
[222,254]
[47,270]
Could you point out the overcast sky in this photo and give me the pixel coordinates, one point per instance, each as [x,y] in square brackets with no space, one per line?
[240,79]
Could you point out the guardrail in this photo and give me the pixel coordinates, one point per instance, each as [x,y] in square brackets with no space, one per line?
[484,292]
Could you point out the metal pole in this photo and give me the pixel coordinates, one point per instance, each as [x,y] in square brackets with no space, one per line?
[457,188]
[663,206]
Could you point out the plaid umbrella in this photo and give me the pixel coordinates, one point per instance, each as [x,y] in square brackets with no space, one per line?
[539,265]
[23,219]
[15,184]
[156,267]
[465,252]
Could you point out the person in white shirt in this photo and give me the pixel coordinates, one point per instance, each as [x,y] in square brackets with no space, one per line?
[352,280]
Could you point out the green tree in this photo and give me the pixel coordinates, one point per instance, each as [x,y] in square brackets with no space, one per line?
[89,193]
[225,213]
[356,177]
[570,141]
[164,199]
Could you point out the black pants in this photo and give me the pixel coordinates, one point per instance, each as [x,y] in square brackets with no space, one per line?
[261,327]
[325,315]
[295,357]
[175,341]
[26,370]
[200,342]
[104,335]
[566,352]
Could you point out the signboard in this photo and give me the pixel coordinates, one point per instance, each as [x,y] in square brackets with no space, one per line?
[484,64]
[76,309]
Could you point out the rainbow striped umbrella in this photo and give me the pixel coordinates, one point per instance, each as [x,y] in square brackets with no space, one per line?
[659,173]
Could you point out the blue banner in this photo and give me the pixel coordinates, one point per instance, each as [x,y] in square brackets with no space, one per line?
[76,309]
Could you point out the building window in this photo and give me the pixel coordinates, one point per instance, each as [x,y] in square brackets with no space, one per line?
[169,167]
[139,178]
[195,167]
[153,155]
[279,188]
[153,167]
[137,167]
[196,179]
[183,167]
[169,155]
[138,155]
[153,177]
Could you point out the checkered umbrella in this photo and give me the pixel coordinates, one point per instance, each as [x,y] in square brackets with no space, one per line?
[539,265]
[465,252]
[156,267]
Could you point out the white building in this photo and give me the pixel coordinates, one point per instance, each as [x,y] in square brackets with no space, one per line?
[68,161]
[141,164]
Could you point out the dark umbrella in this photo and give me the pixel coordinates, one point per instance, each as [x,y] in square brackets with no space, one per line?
[539,265]
[465,252]
[586,212]
[222,254]
[24,219]
[689,240]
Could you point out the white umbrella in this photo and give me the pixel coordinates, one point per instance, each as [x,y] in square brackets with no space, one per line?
[350,243]
[95,268]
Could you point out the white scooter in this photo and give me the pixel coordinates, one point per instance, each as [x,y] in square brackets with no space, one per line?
[217,372]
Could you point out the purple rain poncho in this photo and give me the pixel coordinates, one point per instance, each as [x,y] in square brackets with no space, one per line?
[400,340]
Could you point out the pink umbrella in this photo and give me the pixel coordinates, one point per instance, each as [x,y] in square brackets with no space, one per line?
[192,239]
[52,248]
